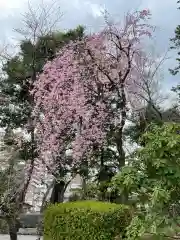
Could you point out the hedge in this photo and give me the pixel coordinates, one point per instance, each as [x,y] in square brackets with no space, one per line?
[90,220]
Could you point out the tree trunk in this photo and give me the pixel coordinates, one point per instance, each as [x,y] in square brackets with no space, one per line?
[119,145]
[13,235]
[58,192]
[13,229]
[84,188]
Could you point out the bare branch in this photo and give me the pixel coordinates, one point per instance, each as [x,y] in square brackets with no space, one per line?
[40,20]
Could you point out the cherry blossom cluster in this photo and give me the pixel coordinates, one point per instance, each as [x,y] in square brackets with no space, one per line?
[76,91]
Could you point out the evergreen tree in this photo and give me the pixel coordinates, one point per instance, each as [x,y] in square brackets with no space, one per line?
[21,71]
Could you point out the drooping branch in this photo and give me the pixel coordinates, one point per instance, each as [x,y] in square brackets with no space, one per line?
[72,93]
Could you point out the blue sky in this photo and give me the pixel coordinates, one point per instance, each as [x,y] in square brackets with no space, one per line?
[165,17]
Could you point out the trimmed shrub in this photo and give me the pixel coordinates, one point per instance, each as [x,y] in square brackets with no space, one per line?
[82,220]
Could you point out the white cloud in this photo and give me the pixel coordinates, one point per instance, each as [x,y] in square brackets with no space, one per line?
[8,5]
[96,9]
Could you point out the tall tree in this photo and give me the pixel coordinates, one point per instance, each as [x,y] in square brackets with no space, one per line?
[82,93]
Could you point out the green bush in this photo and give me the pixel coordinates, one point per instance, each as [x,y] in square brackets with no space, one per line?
[81,220]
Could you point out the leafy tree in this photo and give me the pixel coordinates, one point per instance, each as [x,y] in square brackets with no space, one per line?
[152,180]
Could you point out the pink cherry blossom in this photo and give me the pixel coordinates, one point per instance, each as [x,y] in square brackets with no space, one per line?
[76,90]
